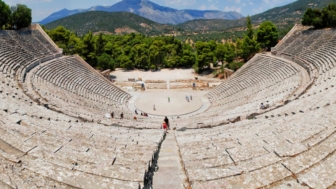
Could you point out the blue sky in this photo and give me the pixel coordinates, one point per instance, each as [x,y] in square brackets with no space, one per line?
[43,8]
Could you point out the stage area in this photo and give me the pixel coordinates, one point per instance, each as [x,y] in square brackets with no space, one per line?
[164,74]
[178,104]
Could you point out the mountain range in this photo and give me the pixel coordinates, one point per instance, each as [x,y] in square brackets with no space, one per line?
[283,17]
[110,22]
[150,10]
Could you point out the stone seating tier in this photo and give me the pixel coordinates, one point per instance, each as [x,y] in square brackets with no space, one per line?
[64,149]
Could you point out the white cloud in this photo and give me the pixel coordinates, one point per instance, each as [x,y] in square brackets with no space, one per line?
[232,8]
[28,1]
[257,10]
[180,2]
[213,7]
[203,7]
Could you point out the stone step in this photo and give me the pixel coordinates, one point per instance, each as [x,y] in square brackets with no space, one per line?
[170,173]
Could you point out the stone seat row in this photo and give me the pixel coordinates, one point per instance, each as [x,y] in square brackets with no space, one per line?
[274,88]
[224,154]
[17,61]
[260,75]
[77,76]
[41,139]
[30,40]
[93,105]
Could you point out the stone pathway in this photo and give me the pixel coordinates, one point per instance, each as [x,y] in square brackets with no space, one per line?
[170,174]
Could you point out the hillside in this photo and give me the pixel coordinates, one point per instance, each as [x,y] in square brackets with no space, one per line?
[291,13]
[210,24]
[150,10]
[282,16]
[111,22]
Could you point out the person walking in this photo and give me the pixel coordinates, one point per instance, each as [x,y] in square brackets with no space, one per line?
[154,107]
[168,99]
[190,97]
[112,115]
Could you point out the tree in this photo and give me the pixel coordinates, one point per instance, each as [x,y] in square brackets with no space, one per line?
[188,57]
[204,55]
[125,62]
[220,52]
[249,32]
[75,45]
[329,15]
[105,61]
[100,45]
[313,17]
[21,16]
[157,53]
[230,52]
[88,50]
[140,55]
[250,45]
[5,14]
[267,34]
[320,18]
[60,35]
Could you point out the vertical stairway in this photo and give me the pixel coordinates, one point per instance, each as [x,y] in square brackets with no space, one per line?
[170,173]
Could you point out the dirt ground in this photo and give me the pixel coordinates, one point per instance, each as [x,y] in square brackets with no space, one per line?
[178,104]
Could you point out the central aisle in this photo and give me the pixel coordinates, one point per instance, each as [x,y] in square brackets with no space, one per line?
[170,173]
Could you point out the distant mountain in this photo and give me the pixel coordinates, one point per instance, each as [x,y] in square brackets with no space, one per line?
[283,17]
[60,14]
[110,22]
[150,10]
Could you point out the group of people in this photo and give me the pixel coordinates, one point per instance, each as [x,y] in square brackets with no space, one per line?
[262,106]
[142,114]
[187,98]
[112,115]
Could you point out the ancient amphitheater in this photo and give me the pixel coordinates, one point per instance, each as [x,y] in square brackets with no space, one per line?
[54,133]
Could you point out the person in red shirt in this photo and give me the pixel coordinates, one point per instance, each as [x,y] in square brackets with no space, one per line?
[164,126]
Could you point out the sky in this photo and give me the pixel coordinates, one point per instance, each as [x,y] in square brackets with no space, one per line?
[43,8]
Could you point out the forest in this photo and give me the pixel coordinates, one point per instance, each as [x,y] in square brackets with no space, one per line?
[320,18]
[129,51]
[14,17]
